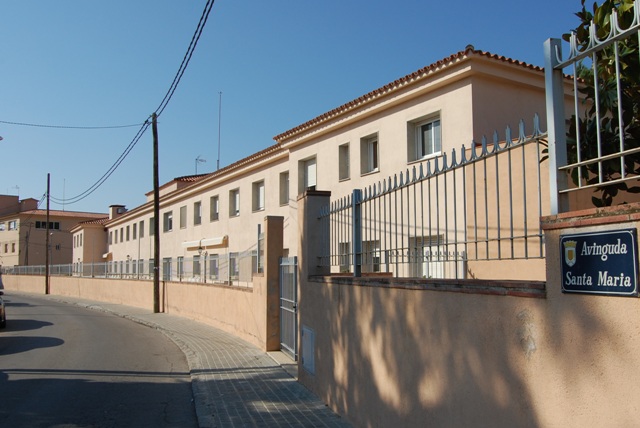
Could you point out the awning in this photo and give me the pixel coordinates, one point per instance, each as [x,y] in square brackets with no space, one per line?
[206,243]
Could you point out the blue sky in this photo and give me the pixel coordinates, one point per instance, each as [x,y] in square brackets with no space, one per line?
[278,64]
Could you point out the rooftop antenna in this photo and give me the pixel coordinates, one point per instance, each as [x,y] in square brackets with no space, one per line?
[199,160]
[219,117]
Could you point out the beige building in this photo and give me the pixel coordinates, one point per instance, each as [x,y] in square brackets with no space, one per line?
[210,222]
[23,232]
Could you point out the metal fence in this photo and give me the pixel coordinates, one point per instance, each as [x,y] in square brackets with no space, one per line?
[229,268]
[482,203]
[602,148]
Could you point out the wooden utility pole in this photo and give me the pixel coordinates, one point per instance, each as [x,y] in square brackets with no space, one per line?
[47,288]
[156,216]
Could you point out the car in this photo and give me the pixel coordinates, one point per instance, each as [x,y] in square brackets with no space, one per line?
[3,313]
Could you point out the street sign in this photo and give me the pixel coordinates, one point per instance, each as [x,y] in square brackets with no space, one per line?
[600,262]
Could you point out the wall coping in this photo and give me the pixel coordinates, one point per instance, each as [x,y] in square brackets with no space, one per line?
[536,289]
[592,217]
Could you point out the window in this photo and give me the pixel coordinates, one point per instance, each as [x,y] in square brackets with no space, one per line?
[234,266]
[369,154]
[183,217]
[343,162]
[426,256]
[214,208]
[424,139]
[80,239]
[307,175]
[128,230]
[234,203]
[196,265]
[141,228]
[110,237]
[168,221]
[258,196]
[55,225]
[13,225]
[13,247]
[122,234]
[197,213]
[214,267]
[2,227]
[344,256]
[116,237]
[371,256]
[152,226]
[166,268]
[284,188]
[180,267]
[135,231]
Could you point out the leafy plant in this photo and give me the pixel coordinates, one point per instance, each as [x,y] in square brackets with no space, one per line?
[607,101]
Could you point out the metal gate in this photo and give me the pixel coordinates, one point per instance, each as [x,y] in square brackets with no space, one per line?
[289,306]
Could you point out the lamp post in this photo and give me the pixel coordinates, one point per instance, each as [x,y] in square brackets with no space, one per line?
[203,262]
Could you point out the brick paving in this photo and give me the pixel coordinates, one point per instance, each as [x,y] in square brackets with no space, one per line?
[234,383]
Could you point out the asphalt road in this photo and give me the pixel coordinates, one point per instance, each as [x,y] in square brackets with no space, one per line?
[67,366]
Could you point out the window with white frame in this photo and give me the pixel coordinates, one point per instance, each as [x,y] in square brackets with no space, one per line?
[234,203]
[2,226]
[284,188]
[168,221]
[214,208]
[197,213]
[369,154]
[424,139]
[344,163]
[307,173]
[13,225]
[183,217]
[258,196]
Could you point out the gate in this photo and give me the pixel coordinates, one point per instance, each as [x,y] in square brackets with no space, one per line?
[289,306]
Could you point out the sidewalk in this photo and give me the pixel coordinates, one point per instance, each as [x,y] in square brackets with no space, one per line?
[234,383]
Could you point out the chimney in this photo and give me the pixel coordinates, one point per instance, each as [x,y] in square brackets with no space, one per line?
[116,211]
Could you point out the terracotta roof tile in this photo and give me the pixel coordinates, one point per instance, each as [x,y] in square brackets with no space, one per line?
[418,74]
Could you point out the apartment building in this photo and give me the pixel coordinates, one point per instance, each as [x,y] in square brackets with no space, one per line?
[23,232]
[210,223]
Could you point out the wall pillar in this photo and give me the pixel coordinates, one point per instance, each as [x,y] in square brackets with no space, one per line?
[310,233]
[273,246]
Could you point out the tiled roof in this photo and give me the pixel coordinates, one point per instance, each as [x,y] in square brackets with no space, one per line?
[396,84]
[58,213]
[96,221]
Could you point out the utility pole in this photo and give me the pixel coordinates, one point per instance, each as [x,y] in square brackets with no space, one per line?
[156,216]
[47,288]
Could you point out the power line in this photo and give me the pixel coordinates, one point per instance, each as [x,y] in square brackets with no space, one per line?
[107,174]
[187,57]
[37,125]
[163,104]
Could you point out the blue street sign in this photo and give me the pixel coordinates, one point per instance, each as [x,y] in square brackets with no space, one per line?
[600,262]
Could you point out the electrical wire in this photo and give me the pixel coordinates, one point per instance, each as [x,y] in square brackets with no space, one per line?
[109,172]
[187,57]
[68,127]
[163,104]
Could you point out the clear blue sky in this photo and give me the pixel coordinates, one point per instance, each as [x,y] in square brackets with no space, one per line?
[278,64]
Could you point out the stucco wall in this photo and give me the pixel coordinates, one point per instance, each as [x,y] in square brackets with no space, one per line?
[405,355]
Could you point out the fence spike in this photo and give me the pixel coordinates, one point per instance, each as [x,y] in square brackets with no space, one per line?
[421,172]
[508,135]
[414,177]
[484,151]
[429,168]
[395,181]
[454,163]
[444,162]
[436,168]
[521,133]
[496,143]
[463,155]
[536,126]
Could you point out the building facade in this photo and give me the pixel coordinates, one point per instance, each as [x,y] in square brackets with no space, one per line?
[210,223]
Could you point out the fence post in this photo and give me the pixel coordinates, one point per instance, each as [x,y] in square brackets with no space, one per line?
[356,222]
[273,248]
[310,233]
[556,128]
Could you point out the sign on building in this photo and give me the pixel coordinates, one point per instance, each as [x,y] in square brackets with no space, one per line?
[600,262]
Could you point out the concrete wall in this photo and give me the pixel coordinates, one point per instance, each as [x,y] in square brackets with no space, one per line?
[435,353]
[250,313]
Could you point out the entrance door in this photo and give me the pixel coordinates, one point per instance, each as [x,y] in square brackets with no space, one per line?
[289,306]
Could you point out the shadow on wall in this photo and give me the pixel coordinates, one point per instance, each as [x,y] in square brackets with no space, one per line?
[416,358]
